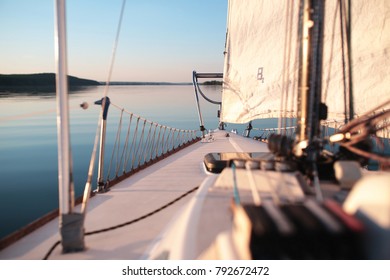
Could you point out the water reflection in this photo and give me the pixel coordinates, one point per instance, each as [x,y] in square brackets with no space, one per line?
[28,140]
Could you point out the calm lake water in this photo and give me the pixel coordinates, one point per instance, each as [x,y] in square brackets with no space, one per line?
[28,139]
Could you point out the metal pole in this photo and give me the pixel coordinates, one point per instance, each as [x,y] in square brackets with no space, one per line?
[65,185]
[201,124]
[310,109]
[195,77]
[349,41]
[303,86]
[71,224]
[248,129]
[105,103]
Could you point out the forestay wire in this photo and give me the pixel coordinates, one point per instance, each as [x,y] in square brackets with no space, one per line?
[145,141]
[88,184]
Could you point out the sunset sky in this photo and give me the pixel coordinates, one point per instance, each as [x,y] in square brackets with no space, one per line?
[161,40]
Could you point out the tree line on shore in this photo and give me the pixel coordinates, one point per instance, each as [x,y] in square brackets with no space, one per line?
[46,82]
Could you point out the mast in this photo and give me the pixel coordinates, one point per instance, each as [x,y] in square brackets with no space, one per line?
[310,109]
[71,224]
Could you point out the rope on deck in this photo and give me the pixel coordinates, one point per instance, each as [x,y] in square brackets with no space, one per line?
[143,217]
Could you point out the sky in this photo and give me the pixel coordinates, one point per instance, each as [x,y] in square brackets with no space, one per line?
[160,40]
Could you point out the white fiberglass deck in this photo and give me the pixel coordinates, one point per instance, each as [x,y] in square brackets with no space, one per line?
[134,197]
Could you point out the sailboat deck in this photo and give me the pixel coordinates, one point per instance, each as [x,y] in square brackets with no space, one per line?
[130,199]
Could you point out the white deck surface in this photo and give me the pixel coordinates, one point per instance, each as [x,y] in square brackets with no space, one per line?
[134,197]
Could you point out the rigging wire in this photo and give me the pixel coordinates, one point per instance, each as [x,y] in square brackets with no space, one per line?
[331,54]
[286,59]
[343,28]
[114,49]
[349,47]
[88,185]
[346,58]
[294,88]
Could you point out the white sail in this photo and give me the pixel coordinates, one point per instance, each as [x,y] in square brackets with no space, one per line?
[261,58]
[370,57]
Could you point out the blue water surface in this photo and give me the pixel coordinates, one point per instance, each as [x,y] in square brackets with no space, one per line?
[28,139]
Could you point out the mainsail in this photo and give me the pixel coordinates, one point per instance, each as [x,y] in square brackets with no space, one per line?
[261,65]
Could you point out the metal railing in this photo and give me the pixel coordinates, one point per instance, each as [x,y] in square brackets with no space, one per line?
[195,77]
[138,143]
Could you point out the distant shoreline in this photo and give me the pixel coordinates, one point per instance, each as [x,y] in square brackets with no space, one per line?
[42,82]
[45,83]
